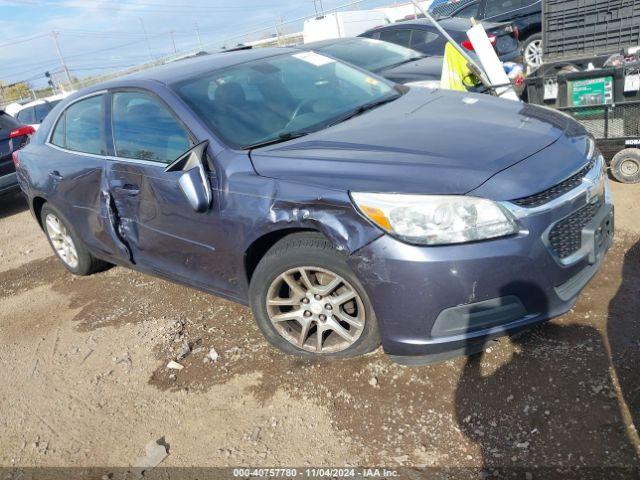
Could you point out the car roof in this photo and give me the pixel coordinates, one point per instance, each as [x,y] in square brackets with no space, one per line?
[333,41]
[33,103]
[175,72]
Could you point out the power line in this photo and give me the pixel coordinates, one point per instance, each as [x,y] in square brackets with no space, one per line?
[24,40]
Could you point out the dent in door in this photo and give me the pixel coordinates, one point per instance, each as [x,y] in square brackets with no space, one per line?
[113,224]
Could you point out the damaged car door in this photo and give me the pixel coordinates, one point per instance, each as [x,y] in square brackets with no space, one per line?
[162,189]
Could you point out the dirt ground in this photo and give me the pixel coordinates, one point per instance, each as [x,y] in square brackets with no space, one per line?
[83,377]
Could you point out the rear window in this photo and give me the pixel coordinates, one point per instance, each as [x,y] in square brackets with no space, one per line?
[26,116]
[397,36]
[7,122]
[371,54]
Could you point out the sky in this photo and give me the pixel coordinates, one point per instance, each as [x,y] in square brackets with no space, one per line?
[108,35]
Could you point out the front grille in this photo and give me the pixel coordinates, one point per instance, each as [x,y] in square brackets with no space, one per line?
[556,191]
[565,237]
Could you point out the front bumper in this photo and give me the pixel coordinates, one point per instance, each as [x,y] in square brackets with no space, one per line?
[434,303]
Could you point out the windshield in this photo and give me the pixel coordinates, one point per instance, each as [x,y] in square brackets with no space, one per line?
[371,54]
[273,97]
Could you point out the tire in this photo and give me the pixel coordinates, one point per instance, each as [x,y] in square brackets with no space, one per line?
[530,44]
[324,266]
[85,263]
[625,166]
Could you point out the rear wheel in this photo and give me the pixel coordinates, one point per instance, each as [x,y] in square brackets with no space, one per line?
[67,245]
[532,52]
[307,301]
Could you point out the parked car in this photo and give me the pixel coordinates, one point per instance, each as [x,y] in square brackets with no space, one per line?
[13,136]
[345,209]
[396,63]
[526,15]
[33,113]
[423,36]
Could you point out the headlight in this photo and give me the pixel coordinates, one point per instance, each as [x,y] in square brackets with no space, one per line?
[591,148]
[436,219]
[424,84]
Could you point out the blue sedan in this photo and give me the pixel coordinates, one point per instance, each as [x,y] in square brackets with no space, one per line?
[346,210]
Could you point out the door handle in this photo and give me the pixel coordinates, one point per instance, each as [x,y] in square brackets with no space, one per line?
[125,188]
[55,174]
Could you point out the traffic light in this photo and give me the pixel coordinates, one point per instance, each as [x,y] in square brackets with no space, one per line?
[50,82]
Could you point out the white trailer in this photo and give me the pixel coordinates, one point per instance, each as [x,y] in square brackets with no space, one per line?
[404,11]
[342,24]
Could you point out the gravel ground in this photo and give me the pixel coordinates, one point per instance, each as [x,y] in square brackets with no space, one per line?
[84,379]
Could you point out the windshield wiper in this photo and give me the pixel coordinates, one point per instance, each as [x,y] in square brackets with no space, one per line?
[361,109]
[282,137]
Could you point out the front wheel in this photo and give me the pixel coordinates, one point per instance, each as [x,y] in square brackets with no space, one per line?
[625,166]
[307,301]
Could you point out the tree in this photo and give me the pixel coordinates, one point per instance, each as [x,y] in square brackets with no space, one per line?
[14,91]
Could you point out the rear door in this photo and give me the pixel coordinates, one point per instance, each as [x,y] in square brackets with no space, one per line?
[75,169]
[160,228]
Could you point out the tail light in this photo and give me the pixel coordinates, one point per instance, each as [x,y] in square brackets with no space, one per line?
[516,32]
[469,46]
[24,130]
[16,160]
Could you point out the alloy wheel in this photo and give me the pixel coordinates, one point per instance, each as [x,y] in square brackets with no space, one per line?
[61,240]
[315,310]
[533,54]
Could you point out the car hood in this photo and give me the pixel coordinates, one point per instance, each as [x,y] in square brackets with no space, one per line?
[427,141]
[428,68]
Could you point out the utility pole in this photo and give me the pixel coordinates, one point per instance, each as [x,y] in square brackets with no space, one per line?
[199,39]
[175,50]
[144,30]
[54,34]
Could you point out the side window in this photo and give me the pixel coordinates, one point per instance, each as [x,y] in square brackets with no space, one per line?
[144,129]
[26,116]
[423,37]
[41,112]
[82,132]
[498,7]
[469,11]
[397,36]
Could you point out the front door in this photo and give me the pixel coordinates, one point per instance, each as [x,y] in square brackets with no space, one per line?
[162,231]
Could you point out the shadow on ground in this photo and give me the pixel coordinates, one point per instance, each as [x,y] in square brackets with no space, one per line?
[552,409]
[12,204]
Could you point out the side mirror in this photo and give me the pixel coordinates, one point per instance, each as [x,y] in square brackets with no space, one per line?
[191,186]
[194,182]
